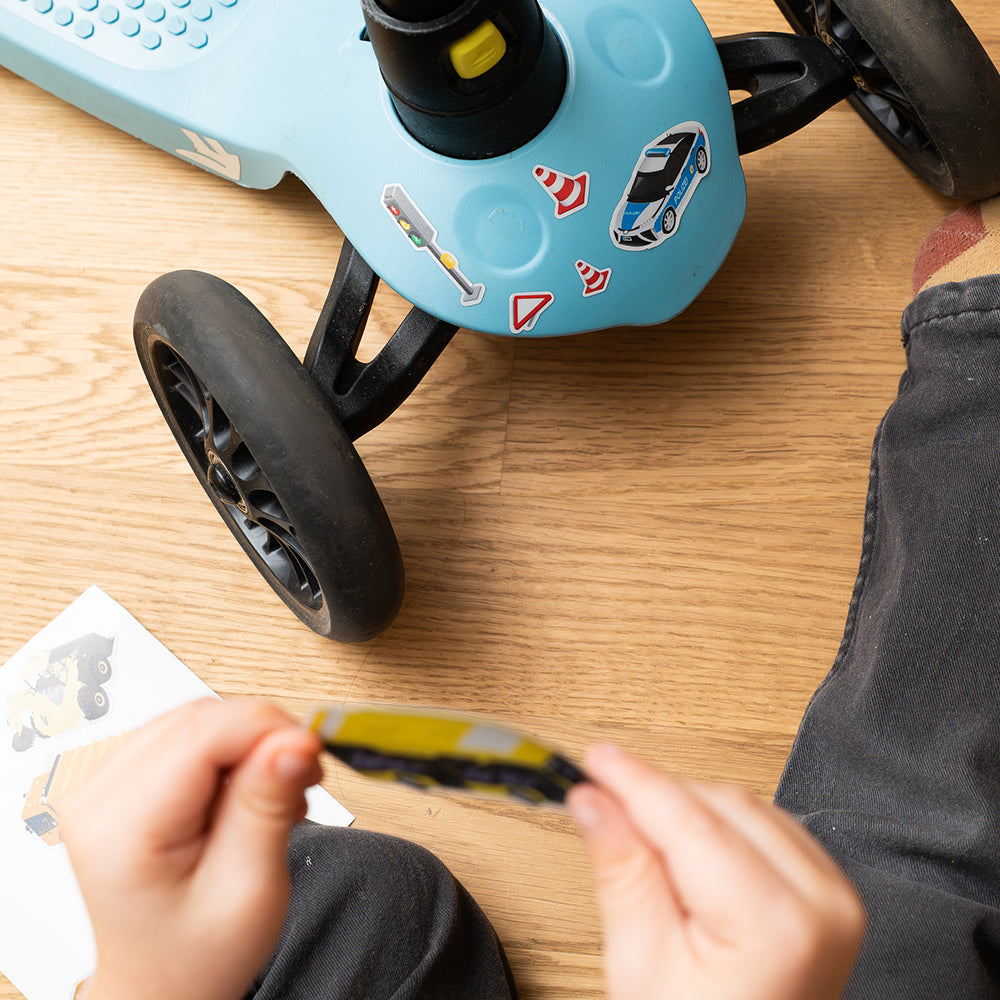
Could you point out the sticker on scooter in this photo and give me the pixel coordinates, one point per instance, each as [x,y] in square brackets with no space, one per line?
[211,154]
[421,235]
[569,193]
[526,307]
[661,186]
[595,279]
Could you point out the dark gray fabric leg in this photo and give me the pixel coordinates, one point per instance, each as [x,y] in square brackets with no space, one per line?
[896,767]
[378,918]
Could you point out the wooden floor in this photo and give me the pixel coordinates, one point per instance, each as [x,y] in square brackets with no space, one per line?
[649,535]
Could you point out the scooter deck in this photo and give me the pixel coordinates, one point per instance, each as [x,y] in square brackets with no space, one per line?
[521,244]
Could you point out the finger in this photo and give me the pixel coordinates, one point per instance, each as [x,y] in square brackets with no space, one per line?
[636,898]
[243,867]
[174,768]
[234,886]
[819,905]
[194,752]
[719,877]
[264,798]
[786,844]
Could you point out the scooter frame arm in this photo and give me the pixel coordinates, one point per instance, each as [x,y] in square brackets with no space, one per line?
[791,79]
[364,393]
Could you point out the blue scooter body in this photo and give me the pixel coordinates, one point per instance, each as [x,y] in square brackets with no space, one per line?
[528,243]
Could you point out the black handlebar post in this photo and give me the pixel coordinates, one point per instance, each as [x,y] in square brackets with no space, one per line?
[419,10]
[470,79]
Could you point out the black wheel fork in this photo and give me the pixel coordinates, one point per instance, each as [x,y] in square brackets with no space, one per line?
[364,393]
[791,80]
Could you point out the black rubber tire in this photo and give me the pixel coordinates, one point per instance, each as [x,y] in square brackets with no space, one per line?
[298,497]
[935,94]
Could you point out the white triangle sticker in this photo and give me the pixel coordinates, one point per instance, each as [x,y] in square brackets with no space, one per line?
[526,307]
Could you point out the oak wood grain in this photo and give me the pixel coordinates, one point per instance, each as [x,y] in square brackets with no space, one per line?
[649,535]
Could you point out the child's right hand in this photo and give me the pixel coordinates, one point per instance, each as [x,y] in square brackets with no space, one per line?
[707,893]
[179,843]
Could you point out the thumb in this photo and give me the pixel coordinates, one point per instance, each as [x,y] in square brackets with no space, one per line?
[266,797]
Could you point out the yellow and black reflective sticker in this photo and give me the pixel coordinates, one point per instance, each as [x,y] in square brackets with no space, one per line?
[429,748]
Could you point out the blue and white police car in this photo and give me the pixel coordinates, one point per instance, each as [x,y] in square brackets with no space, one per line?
[661,187]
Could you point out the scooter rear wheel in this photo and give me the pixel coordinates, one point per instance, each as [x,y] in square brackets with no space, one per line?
[925,85]
[271,455]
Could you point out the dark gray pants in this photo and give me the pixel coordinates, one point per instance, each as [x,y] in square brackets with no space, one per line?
[377,918]
[896,767]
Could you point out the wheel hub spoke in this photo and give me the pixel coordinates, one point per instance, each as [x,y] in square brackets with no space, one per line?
[234,477]
[185,385]
[877,89]
[286,560]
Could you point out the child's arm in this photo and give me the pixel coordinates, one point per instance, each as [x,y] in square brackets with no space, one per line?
[708,893]
[179,843]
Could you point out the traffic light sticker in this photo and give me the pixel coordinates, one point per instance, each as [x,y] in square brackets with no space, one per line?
[526,308]
[422,235]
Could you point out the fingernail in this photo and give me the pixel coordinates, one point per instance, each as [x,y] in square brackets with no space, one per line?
[294,768]
[605,752]
[583,806]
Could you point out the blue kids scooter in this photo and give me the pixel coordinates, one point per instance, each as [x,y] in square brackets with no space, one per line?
[517,169]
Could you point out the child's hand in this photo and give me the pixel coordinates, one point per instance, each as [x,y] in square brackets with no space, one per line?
[708,893]
[178,841]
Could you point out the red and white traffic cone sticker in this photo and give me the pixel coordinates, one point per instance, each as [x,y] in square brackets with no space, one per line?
[526,307]
[595,279]
[569,193]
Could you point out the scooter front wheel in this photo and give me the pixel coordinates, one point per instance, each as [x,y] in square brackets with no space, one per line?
[925,85]
[271,455]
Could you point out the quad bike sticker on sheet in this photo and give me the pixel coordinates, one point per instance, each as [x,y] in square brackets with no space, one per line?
[63,688]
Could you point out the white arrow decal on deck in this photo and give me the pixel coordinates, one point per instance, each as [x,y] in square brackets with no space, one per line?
[211,154]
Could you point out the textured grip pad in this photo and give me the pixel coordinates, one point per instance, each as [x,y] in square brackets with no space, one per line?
[138,34]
